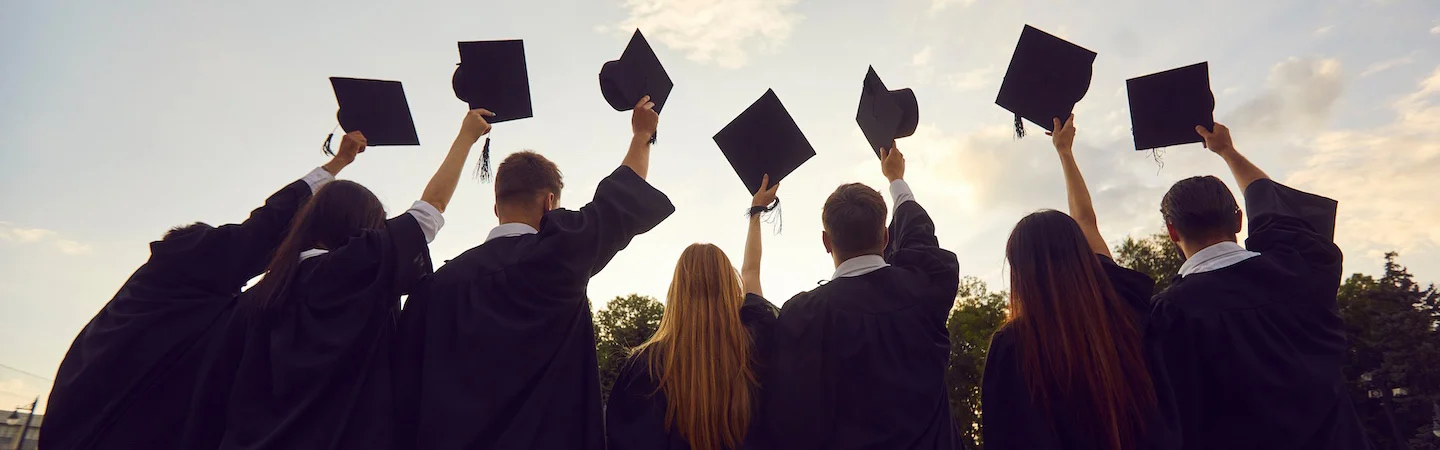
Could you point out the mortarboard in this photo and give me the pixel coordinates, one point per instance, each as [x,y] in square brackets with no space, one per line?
[492,75]
[885,115]
[376,108]
[1046,77]
[1165,107]
[763,140]
[636,74]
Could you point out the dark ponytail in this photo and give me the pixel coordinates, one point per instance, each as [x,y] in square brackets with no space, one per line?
[336,213]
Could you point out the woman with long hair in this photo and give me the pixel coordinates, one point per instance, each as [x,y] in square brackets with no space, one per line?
[1067,370]
[693,385]
[315,366]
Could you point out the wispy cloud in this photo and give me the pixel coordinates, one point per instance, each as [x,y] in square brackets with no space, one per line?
[1435,30]
[922,57]
[719,32]
[941,5]
[20,235]
[1300,92]
[973,79]
[1387,65]
[1323,31]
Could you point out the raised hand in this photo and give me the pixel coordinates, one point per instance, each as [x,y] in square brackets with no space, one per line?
[1217,141]
[474,126]
[892,163]
[1064,135]
[767,193]
[351,144]
[644,120]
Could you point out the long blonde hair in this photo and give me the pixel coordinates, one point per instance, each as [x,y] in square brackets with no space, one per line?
[700,356]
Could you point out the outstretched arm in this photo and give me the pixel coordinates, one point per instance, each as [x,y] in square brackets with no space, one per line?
[1219,142]
[643,123]
[750,268]
[442,185]
[1081,208]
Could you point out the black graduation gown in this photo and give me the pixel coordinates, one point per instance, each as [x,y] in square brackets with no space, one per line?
[860,361]
[127,378]
[1013,419]
[499,347]
[1254,350]
[316,371]
[635,415]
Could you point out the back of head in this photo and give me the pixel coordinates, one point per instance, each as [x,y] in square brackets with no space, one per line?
[1077,342]
[339,211]
[700,356]
[854,218]
[183,231]
[526,177]
[1201,208]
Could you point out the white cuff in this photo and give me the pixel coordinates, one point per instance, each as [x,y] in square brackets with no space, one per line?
[317,178]
[900,192]
[429,218]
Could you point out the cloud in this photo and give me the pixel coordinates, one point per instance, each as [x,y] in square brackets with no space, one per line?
[20,235]
[1323,31]
[940,5]
[922,58]
[719,32]
[1299,92]
[1383,176]
[1387,65]
[973,79]
[1435,30]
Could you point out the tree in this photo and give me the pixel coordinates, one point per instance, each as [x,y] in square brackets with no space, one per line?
[977,314]
[623,324]
[1155,256]
[1393,367]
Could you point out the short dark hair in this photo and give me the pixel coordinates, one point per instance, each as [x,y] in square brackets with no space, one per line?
[1200,208]
[854,216]
[525,175]
[185,230]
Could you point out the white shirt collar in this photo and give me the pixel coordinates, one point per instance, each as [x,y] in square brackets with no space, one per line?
[1215,257]
[859,265]
[511,229]
[311,253]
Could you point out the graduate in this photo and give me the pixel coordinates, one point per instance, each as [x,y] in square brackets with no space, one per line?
[315,371]
[859,362]
[694,385]
[1251,336]
[499,344]
[127,379]
[1067,369]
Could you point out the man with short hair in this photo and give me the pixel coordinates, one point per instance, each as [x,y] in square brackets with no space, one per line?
[859,362]
[498,346]
[1250,337]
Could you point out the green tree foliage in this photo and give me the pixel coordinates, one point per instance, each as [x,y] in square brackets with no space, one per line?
[1393,368]
[623,324]
[1155,256]
[977,314]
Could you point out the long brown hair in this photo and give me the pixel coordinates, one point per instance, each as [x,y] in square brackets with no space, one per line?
[337,212]
[700,356]
[1077,340]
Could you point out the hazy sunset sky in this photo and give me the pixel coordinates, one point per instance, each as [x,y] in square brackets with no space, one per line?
[122,119]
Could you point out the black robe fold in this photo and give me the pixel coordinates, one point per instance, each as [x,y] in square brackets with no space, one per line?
[1254,350]
[1014,420]
[127,379]
[635,415]
[498,347]
[316,370]
[860,361]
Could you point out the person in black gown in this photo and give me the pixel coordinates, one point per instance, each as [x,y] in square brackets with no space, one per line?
[1067,369]
[693,385]
[860,361]
[127,379]
[1251,336]
[499,345]
[315,371]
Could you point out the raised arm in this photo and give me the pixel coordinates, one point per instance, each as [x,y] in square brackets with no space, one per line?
[1081,208]
[1219,142]
[750,268]
[442,185]
[643,123]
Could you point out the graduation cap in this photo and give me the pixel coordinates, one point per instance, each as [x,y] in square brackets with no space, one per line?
[762,140]
[376,108]
[885,115]
[1046,77]
[1165,107]
[492,75]
[636,74]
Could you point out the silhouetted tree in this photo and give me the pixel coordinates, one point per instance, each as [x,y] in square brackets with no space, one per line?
[1155,256]
[977,314]
[623,324]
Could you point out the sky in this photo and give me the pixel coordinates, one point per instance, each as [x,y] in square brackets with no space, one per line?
[123,119]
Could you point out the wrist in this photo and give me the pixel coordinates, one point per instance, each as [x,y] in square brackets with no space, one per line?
[895,178]
[467,138]
[640,136]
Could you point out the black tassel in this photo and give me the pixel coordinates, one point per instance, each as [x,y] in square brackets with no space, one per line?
[326,146]
[1019,127]
[483,172]
[767,216]
[653,136]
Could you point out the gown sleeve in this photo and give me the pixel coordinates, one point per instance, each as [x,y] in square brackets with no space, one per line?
[400,250]
[1295,223]
[631,418]
[913,245]
[581,243]
[1009,414]
[1132,286]
[223,258]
